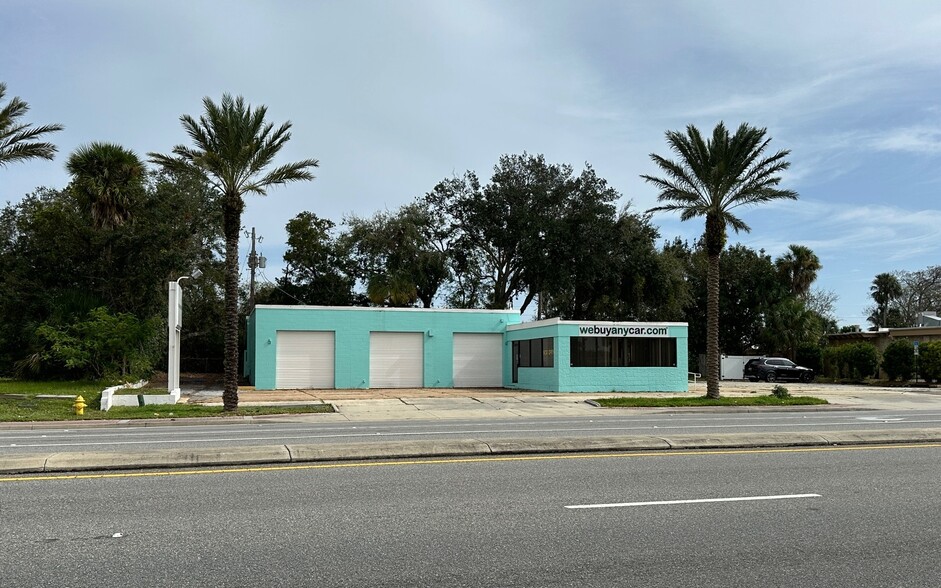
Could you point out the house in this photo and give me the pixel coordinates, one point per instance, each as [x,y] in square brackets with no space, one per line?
[929,319]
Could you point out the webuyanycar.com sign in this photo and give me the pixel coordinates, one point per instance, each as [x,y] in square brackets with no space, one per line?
[615,331]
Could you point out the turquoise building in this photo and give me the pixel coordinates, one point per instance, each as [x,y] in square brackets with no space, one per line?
[597,356]
[317,347]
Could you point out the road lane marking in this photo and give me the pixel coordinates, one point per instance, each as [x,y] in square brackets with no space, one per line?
[456,460]
[693,501]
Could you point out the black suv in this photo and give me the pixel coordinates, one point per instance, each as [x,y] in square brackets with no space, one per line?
[771,369]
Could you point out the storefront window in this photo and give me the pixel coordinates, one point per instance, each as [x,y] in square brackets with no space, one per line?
[534,353]
[623,352]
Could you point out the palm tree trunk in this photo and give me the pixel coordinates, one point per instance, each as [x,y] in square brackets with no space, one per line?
[712,327]
[715,243]
[232,224]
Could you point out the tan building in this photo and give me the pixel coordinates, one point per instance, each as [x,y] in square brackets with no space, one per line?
[883,337]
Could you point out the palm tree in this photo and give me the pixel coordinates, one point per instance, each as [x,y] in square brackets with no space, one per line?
[790,324]
[710,179]
[232,147]
[885,288]
[105,178]
[18,140]
[392,289]
[799,267]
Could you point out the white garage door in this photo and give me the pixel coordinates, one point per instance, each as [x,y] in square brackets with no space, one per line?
[478,360]
[305,359]
[396,360]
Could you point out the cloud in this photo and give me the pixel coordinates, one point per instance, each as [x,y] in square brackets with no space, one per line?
[922,139]
[881,233]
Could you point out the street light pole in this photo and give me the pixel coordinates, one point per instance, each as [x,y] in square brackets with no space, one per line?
[175,326]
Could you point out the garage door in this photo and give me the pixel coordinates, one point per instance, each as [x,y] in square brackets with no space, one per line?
[305,359]
[478,360]
[396,360]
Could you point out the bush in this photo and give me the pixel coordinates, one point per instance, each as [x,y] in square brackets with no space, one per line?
[862,359]
[898,359]
[929,361]
[780,391]
[104,345]
[810,355]
[855,361]
[831,364]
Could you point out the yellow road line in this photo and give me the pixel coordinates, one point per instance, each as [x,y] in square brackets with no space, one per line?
[456,460]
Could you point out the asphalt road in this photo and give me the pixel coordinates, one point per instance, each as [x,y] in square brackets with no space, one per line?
[853,517]
[307,429]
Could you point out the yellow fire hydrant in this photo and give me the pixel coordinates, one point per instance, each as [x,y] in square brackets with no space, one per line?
[79,406]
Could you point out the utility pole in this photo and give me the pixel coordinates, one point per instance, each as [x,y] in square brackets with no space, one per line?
[254,261]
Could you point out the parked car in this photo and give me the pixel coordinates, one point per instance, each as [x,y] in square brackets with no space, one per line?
[771,369]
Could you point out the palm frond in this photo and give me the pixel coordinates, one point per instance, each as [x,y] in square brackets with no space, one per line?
[19,141]
[717,175]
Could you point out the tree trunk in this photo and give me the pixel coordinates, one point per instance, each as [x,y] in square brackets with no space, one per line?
[232,224]
[712,328]
[715,242]
[526,302]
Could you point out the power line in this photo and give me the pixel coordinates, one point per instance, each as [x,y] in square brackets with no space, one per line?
[286,293]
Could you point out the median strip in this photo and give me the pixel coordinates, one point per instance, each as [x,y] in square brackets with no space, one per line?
[325,452]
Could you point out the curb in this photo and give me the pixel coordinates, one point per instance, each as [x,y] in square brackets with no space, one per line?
[297,454]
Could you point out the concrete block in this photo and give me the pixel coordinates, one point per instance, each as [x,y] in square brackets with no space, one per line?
[22,464]
[744,440]
[387,450]
[884,436]
[122,460]
[576,444]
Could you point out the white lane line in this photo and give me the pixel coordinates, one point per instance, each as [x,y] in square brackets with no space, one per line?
[694,501]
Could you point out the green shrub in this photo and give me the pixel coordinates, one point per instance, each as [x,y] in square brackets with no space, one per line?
[780,391]
[929,361]
[862,360]
[898,359]
[855,361]
[830,360]
[104,345]
[810,355]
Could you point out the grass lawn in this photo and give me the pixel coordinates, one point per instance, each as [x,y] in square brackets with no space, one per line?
[83,388]
[639,402]
[19,403]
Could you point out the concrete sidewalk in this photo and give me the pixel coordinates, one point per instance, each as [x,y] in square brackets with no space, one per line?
[397,405]
[442,403]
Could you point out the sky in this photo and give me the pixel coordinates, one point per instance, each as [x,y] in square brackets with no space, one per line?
[393,96]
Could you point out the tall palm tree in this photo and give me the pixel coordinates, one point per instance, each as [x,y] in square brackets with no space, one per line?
[885,288]
[105,179]
[232,147]
[710,179]
[18,140]
[790,324]
[799,267]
